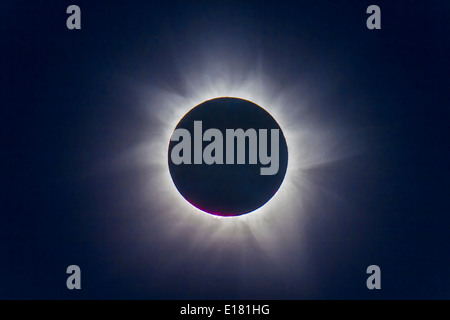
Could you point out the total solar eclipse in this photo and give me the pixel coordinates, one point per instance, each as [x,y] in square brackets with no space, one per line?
[227,156]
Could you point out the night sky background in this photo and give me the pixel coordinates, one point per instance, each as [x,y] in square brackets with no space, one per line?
[68,108]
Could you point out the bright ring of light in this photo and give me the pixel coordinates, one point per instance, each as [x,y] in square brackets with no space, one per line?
[276,224]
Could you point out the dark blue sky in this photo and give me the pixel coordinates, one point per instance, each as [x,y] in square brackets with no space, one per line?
[68,106]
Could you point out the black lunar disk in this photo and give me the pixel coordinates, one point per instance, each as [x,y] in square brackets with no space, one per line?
[226,189]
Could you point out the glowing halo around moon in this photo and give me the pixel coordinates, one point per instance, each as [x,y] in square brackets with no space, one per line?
[276,225]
